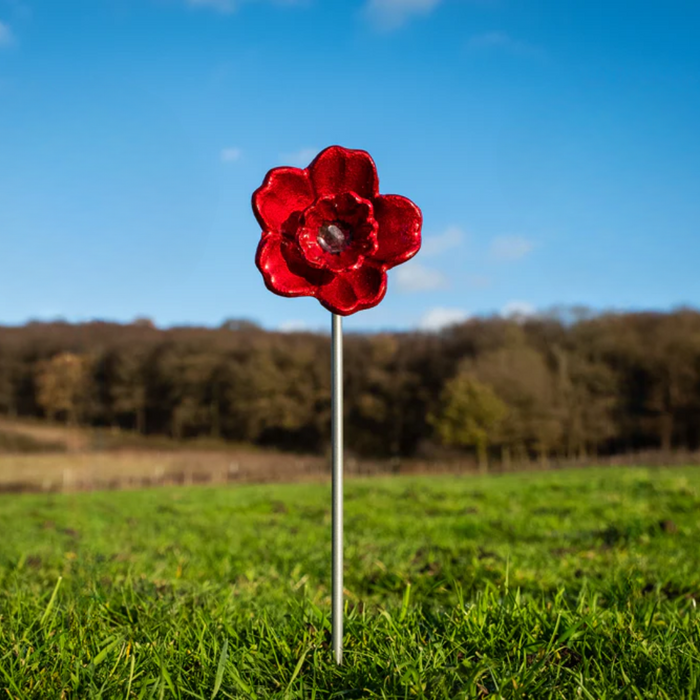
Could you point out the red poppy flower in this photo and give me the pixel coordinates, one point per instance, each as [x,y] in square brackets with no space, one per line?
[329,234]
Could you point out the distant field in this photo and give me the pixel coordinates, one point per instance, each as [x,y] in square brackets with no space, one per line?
[40,456]
[126,469]
[577,584]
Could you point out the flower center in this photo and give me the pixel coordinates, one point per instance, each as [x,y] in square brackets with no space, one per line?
[333,239]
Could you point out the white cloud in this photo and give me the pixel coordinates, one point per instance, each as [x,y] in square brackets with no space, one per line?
[293,326]
[478,281]
[228,6]
[517,309]
[450,238]
[302,157]
[508,248]
[220,5]
[391,14]
[6,36]
[440,317]
[498,40]
[414,277]
[231,155]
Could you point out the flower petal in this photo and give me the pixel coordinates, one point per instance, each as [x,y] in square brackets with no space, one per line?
[284,270]
[336,170]
[353,290]
[399,234]
[284,192]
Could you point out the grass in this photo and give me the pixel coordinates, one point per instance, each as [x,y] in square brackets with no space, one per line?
[577,584]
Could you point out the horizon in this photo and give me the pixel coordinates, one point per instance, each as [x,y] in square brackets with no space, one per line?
[554,154]
[565,315]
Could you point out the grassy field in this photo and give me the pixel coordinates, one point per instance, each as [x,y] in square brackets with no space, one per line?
[577,584]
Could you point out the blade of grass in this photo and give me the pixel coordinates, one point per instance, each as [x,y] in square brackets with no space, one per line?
[220,670]
[103,654]
[49,607]
[131,674]
[406,601]
[297,669]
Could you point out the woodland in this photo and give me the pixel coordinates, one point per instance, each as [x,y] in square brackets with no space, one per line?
[570,383]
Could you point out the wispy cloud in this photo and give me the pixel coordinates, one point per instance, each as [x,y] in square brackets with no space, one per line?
[391,14]
[509,248]
[228,6]
[231,154]
[440,317]
[302,157]
[498,40]
[451,237]
[478,281]
[414,277]
[6,36]
[518,309]
[225,6]
[293,326]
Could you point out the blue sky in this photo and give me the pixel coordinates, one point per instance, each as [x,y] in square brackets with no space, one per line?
[553,146]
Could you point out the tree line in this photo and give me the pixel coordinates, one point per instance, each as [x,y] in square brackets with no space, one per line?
[567,384]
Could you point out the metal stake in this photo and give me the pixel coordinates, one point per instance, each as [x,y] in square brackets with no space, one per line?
[337,442]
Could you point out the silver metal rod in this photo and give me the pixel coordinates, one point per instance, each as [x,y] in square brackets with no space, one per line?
[337,442]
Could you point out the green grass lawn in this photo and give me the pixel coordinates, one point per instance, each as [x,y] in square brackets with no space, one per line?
[577,584]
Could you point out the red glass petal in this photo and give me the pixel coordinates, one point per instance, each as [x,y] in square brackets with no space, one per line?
[336,170]
[284,270]
[284,192]
[399,234]
[353,290]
